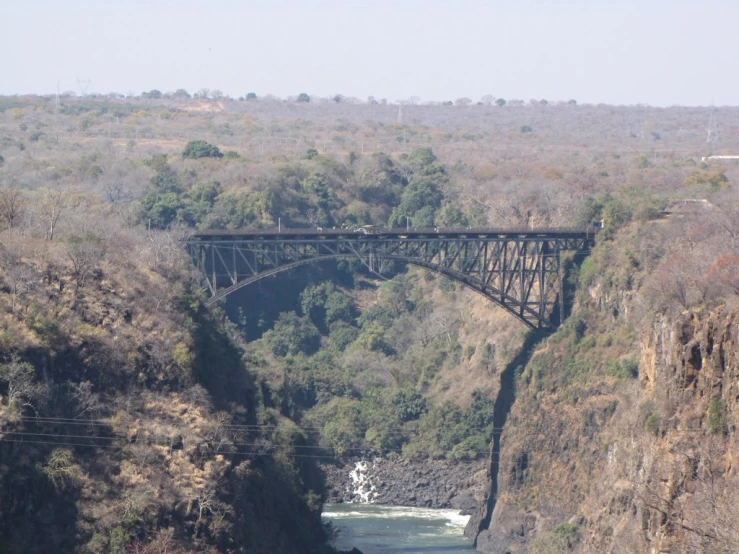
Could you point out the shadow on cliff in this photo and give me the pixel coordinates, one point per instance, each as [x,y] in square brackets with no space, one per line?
[482,517]
[480,520]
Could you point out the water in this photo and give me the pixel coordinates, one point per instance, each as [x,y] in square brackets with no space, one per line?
[377,529]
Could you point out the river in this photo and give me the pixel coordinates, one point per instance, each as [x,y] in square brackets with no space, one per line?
[377,529]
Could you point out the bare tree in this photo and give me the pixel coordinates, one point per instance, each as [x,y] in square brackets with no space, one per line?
[18,276]
[87,402]
[12,205]
[85,254]
[22,387]
[53,204]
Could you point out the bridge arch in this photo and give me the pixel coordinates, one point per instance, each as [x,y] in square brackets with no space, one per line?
[487,292]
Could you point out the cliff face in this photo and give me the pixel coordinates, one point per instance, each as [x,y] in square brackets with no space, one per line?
[600,457]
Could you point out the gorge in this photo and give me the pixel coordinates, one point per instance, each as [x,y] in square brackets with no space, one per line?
[135,416]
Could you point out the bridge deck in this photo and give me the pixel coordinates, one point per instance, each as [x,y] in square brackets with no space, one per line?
[381,233]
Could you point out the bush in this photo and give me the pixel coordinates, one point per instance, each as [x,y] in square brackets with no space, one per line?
[717,419]
[651,425]
[624,369]
[568,531]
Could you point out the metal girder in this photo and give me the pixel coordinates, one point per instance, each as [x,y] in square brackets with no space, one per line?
[519,270]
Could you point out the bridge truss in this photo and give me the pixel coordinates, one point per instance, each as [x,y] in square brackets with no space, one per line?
[520,270]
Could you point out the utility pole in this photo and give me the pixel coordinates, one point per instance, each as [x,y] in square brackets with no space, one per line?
[712,135]
[83,85]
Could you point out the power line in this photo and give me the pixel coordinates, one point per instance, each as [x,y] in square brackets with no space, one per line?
[248,427]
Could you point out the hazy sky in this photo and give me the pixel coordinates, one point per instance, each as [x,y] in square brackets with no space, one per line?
[622,52]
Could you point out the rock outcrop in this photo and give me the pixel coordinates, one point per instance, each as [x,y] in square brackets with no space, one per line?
[422,483]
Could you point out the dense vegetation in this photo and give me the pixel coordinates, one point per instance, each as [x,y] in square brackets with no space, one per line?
[196,415]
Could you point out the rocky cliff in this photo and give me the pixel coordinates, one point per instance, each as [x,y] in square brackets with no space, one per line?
[621,440]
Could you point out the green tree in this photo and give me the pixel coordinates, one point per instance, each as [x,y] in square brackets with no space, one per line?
[251,96]
[325,305]
[423,195]
[160,210]
[409,405]
[201,149]
[342,428]
[342,334]
[714,178]
[292,335]
[450,216]
[303,97]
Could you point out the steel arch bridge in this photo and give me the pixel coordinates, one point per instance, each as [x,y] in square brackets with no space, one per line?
[518,269]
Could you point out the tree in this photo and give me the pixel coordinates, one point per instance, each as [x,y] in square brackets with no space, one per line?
[500,102]
[85,253]
[464,101]
[201,149]
[11,205]
[303,97]
[18,276]
[450,216]
[62,470]
[409,405]
[714,178]
[54,203]
[22,390]
[724,273]
[251,96]
[292,335]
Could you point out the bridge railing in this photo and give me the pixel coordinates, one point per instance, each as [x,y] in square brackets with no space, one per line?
[587,231]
